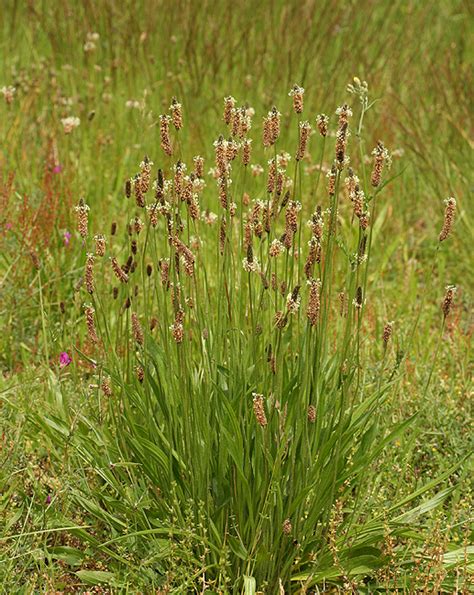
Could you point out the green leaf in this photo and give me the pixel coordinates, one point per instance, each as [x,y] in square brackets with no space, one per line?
[460,557]
[69,555]
[238,548]
[249,585]
[94,577]
[425,506]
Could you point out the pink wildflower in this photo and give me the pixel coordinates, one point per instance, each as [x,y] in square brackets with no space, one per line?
[64,359]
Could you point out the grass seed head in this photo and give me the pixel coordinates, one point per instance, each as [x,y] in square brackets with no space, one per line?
[229,105]
[387,333]
[287,527]
[448,299]
[222,235]
[322,122]
[90,322]
[145,175]
[106,387]
[137,330]
[275,117]
[89,276]
[164,266]
[259,409]
[35,259]
[305,131]
[448,218]
[153,214]
[246,151]
[100,245]
[220,148]
[380,154]
[165,139]
[140,373]
[9,95]
[314,301]
[331,175]
[272,173]
[177,328]
[280,320]
[198,166]
[293,301]
[358,301]
[176,113]
[297,93]
[119,273]
[311,414]
[128,188]
[82,211]
[344,113]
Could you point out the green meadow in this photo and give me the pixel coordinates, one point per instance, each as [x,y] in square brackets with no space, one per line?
[236,297]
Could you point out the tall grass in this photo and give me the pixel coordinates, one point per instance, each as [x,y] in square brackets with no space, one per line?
[236,415]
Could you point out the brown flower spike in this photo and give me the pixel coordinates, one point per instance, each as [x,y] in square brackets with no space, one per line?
[259,410]
[89,276]
[91,330]
[82,211]
[448,299]
[448,218]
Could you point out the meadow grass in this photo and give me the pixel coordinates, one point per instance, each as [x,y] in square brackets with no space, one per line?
[244,375]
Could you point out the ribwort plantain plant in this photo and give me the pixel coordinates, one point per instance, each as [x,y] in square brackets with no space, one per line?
[228,328]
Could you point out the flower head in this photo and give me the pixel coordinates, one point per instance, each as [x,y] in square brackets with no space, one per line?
[70,123]
[64,359]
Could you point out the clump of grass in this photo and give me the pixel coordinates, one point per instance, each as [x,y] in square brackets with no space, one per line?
[240,415]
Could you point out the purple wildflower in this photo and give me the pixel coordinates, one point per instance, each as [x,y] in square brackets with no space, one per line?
[58,169]
[67,237]
[64,359]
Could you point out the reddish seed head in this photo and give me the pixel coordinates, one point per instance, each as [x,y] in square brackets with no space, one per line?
[35,259]
[229,104]
[119,273]
[140,373]
[198,166]
[246,151]
[106,387]
[176,114]
[448,218]
[287,527]
[128,188]
[314,301]
[322,123]
[89,276]
[387,333]
[137,329]
[165,135]
[100,244]
[91,330]
[177,328]
[380,154]
[448,299]
[297,93]
[82,211]
[259,409]
[305,131]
